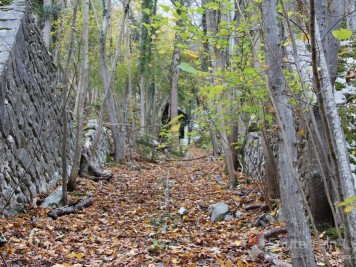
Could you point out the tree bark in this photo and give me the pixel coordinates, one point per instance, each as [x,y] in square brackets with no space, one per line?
[46,31]
[218,63]
[81,204]
[82,86]
[174,89]
[107,80]
[293,209]
[338,144]
[350,10]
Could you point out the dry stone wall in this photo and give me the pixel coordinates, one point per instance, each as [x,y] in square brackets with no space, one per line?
[30,113]
[30,110]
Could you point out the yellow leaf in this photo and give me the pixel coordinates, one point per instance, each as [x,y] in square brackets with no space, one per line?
[228,264]
[237,198]
[301,132]
[75,255]
[191,54]
[240,263]
[175,128]
[265,67]
[304,37]
[175,261]
[237,243]
[349,208]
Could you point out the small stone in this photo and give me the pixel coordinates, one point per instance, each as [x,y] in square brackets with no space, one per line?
[182,211]
[228,217]
[270,218]
[219,212]
[238,214]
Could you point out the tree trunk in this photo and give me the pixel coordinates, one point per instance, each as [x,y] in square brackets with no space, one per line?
[218,62]
[142,105]
[338,144]
[350,10]
[174,89]
[46,31]
[82,86]
[332,44]
[293,209]
[107,80]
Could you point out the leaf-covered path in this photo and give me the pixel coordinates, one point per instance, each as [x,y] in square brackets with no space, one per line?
[134,221]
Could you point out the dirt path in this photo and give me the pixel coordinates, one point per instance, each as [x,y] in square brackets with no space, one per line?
[135,222]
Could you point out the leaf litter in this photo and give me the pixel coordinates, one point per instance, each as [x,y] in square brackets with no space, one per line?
[135,221]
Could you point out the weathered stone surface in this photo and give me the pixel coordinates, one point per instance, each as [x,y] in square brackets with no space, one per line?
[238,214]
[219,211]
[53,199]
[182,211]
[105,143]
[229,217]
[253,155]
[31,127]
[30,116]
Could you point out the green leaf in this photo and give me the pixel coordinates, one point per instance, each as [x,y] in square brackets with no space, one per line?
[249,71]
[347,201]
[212,5]
[200,10]
[186,67]
[147,11]
[342,34]
[165,8]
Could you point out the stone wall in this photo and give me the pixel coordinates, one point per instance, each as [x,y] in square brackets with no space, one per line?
[30,113]
[30,110]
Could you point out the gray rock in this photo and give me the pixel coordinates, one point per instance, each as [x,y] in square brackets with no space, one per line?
[53,199]
[280,215]
[270,218]
[349,90]
[229,217]
[219,211]
[340,98]
[182,211]
[238,214]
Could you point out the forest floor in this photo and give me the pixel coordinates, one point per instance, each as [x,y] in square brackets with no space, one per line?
[134,221]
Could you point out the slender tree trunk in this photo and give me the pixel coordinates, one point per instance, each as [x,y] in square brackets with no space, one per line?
[142,105]
[350,12]
[107,80]
[67,85]
[64,152]
[338,144]
[205,67]
[174,91]
[336,12]
[293,209]
[82,86]
[218,63]
[46,31]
